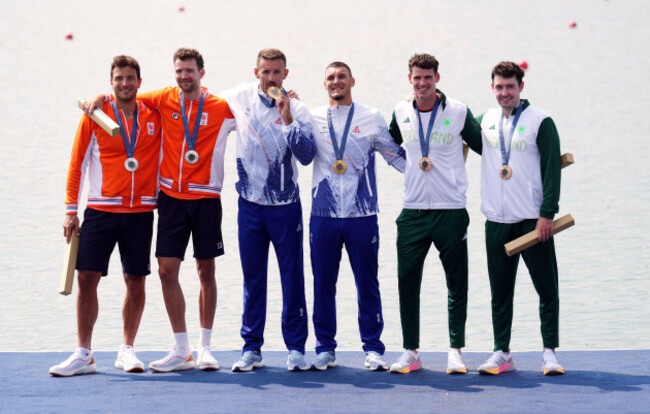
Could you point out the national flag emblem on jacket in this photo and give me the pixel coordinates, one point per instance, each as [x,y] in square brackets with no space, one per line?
[204,119]
[356,130]
[279,120]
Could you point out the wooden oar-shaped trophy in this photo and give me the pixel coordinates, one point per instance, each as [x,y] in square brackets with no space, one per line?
[70,256]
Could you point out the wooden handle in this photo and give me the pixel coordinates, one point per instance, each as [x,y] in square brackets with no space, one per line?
[530,239]
[102,119]
[566,160]
[69,264]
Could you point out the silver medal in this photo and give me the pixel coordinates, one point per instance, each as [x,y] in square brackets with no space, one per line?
[191,157]
[131,164]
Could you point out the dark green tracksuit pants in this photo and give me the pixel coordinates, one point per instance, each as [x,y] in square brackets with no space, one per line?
[502,270]
[447,230]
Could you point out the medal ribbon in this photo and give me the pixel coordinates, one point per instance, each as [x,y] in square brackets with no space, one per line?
[266,102]
[505,155]
[129,145]
[339,151]
[191,139]
[424,140]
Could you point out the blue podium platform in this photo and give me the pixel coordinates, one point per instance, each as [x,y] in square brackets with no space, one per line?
[595,382]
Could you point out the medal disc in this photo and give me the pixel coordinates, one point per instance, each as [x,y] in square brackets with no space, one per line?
[426,164]
[505,172]
[191,157]
[131,164]
[273,92]
[339,166]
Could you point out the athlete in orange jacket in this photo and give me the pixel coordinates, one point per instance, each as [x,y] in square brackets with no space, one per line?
[123,174]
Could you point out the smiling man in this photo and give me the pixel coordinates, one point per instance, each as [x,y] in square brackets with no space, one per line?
[432,128]
[520,188]
[273,132]
[344,212]
[123,177]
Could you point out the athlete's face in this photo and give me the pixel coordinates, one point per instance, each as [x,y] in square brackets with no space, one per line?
[424,83]
[188,75]
[507,92]
[125,83]
[271,73]
[339,83]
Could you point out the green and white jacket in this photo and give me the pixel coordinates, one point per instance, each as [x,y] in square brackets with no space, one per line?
[534,188]
[444,186]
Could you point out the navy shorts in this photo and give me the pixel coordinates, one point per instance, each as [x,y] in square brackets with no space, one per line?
[177,219]
[100,231]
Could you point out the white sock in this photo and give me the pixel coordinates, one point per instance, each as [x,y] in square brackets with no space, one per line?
[125,347]
[205,337]
[182,342]
[83,351]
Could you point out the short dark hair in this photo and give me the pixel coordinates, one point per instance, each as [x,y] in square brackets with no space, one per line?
[507,69]
[123,61]
[338,64]
[271,54]
[423,61]
[185,53]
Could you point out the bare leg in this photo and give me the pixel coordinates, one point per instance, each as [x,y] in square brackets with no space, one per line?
[168,268]
[87,306]
[208,293]
[133,306]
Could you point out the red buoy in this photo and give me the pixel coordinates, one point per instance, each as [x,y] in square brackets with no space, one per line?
[68,36]
[181,9]
[573,24]
[523,64]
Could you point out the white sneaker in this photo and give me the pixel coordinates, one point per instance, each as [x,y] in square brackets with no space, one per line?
[375,362]
[248,361]
[205,360]
[550,366]
[174,361]
[80,362]
[499,362]
[408,362]
[128,361]
[324,360]
[296,361]
[455,364]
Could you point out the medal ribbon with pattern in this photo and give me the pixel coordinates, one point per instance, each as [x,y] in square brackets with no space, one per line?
[424,140]
[191,139]
[129,141]
[339,165]
[505,155]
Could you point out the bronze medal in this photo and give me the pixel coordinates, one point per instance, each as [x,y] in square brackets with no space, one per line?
[505,172]
[339,166]
[426,164]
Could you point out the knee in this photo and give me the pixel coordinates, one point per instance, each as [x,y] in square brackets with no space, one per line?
[88,280]
[135,285]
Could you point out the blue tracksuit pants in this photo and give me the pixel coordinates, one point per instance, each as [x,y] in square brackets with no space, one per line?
[361,238]
[282,226]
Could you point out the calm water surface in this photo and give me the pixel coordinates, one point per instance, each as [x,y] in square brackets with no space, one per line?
[592,80]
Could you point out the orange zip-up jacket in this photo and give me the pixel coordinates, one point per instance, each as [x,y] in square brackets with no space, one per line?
[100,156]
[178,178]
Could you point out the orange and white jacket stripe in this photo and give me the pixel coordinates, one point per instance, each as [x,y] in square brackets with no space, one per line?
[205,178]
[101,157]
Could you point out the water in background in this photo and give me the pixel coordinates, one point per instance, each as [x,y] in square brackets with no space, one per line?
[592,80]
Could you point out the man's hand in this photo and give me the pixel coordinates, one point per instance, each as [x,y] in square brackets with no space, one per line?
[91,104]
[544,229]
[292,94]
[70,224]
[284,108]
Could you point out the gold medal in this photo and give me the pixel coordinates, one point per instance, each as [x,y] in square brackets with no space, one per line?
[426,164]
[505,172]
[339,166]
[273,92]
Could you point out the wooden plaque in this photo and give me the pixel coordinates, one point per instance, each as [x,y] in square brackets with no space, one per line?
[530,239]
[69,264]
[102,119]
[465,151]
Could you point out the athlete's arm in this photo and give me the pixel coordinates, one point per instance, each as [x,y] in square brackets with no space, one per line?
[299,135]
[394,155]
[548,142]
[471,133]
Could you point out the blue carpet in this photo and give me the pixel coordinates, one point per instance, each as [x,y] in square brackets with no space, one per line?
[595,382]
